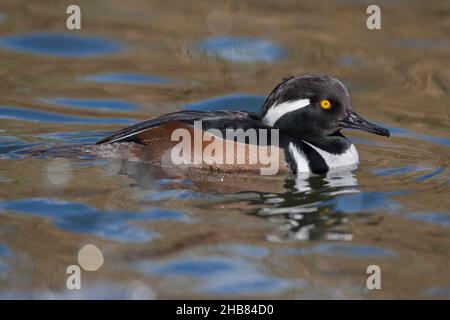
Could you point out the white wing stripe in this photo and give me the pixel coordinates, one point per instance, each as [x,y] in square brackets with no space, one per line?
[127,136]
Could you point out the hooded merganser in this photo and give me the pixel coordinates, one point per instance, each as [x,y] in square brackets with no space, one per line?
[309,112]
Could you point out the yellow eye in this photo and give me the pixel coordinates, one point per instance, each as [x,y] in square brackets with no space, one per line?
[325,104]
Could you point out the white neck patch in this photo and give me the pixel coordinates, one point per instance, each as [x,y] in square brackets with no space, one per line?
[347,158]
[277,111]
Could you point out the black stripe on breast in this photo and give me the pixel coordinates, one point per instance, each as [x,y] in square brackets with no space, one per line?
[290,160]
[316,163]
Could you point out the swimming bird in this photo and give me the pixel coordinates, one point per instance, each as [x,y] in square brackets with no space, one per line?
[305,113]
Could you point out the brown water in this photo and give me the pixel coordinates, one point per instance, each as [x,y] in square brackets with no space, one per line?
[217,236]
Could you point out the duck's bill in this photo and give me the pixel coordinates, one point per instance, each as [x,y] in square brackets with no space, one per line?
[354,121]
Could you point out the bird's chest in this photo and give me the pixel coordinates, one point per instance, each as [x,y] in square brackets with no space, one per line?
[309,158]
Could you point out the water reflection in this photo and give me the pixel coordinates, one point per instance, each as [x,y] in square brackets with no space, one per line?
[346,250]
[247,102]
[419,44]
[441,219]
[438,292]
[414,135]
[305,207]
[309,209]
[134,290]
[95,104]
[77,137]
[387,172]
[27,114]
[243,49]
[127,78]
[81,218]
[350,61]
[218,275]
[59,44]
[9,144]
[5,252]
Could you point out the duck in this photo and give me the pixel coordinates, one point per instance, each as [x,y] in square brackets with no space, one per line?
[298,129]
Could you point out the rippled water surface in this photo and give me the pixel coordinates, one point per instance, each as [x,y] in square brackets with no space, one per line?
[169,235]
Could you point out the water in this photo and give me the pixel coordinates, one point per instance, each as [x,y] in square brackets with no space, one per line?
[242,49]
[98,104]
[127,78]
[236,102]
[29,114]
[59,44]
[199,235]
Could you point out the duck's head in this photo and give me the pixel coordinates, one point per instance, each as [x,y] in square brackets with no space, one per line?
[313,108]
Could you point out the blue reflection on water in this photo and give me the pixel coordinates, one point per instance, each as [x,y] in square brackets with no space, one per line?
[27,114]
[252,284]
[90,291]
[4,253]
[352,250]
[59,44]
[242,250]
[387,172]
[437,218]
[220,275]
[199,267]
[9,143]
[78,217]
[179,194]
[127,77]
[400,132]
[246,102]
[349,250]
[243,49]
[411,134]
[430,175]
[87,136]
[350,60]
[419,43]
[362,202]
[438,292]
[97,104]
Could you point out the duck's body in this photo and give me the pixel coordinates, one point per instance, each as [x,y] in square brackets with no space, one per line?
[306,112]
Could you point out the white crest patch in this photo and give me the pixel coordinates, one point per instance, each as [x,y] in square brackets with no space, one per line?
[347,158]
[299,157]
[277,111]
